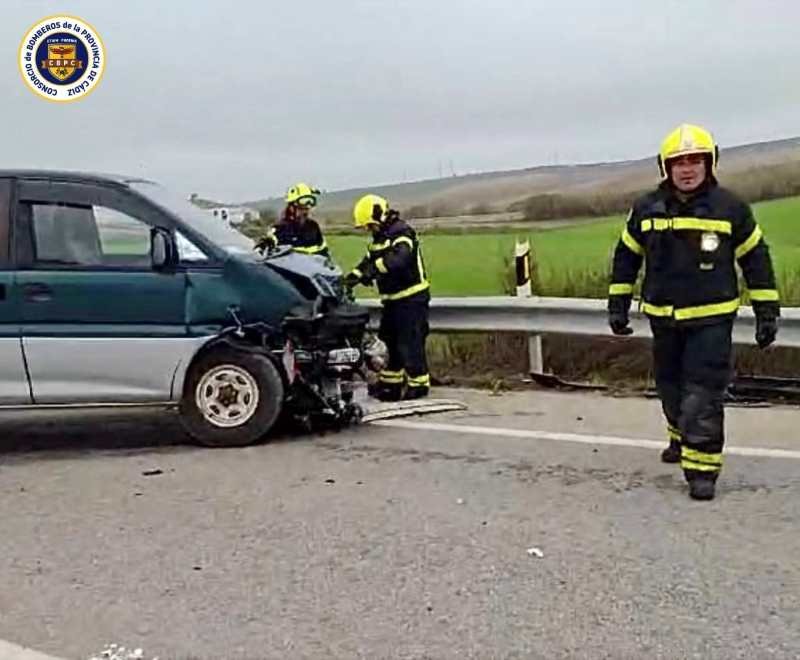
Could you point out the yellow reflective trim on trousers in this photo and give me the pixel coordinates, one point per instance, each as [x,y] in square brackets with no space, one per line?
[391,376]
[689,454]
[376,247]
[311,249]
[620,289]
[673,433]
[764,295]
[680,224]
[703,311]
[657,310]
[381,266]
[404,239]
[405,293]
[419,381]
[699,467]
[631,243]
[745,247]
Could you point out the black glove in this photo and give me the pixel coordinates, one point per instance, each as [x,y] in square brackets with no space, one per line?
[766,330]
[352,279]
[618,307]
[267,242]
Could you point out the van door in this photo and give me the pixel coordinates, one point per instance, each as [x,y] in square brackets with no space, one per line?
[99,325]
[14,389]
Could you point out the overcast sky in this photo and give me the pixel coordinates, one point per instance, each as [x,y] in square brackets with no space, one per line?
[236,100]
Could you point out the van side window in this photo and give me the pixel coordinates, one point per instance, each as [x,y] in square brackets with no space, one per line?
[68,235]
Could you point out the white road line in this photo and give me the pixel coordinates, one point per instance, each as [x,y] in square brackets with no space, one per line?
[580,438]
[9,651]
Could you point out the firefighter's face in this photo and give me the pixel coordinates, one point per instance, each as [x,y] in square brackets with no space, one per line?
[301,214]
[688,172]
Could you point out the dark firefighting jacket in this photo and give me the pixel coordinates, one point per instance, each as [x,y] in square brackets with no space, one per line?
[395,259]
[690,248]
[306,237]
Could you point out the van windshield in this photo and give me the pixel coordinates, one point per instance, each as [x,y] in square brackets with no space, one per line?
[213,229]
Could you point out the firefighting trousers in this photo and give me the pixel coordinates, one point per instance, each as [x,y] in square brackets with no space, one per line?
[693,368]
[404,330]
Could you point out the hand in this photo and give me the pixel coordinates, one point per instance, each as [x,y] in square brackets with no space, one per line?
[620,323]
[766,330]
[352,279]
[267,242]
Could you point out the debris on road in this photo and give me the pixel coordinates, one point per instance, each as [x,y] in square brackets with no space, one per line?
[536,552]
[330,481]
[459,501]
[152,473]
[117,652]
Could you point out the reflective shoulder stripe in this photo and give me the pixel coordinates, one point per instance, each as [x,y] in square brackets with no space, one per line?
[312,249]
[745,247]
[703,311]
[631,243]
[620,289]
[405,293]
[376,247]
[381,266]
[657,310]
[764,295]
[357,272]
[403,239]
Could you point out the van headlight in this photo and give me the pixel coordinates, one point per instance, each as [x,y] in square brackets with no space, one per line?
[344,356]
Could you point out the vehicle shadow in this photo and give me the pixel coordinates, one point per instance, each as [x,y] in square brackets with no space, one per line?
[61,434]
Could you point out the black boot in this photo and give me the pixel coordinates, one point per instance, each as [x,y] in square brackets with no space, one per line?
[416,393]
[701,486]
[386,391]
[672,454]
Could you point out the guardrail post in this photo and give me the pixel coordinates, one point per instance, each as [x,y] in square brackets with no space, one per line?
[535,355]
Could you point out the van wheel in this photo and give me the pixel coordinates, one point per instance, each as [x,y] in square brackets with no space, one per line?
[231,398]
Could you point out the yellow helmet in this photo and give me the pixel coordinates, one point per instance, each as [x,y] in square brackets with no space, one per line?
[687,139]
[302,194]
[370,209]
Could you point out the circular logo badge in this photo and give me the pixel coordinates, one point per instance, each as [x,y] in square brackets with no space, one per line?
[61,58]
[709,241]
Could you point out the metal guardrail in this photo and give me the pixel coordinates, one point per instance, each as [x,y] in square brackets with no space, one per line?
[573,316]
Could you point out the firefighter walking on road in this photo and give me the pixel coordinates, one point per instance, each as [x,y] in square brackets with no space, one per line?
[296,227]
[690,232]
[394,263]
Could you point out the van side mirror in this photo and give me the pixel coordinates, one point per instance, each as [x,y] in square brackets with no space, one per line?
[163,254]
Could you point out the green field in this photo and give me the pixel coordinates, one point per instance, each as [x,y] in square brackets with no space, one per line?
[573,261]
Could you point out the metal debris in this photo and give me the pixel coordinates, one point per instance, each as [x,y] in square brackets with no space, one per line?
[536,552]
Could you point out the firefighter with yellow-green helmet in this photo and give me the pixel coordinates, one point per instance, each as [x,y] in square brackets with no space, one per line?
[296,227]
[394,263]
[690,233]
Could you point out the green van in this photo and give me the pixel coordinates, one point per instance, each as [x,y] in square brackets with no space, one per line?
[113,291]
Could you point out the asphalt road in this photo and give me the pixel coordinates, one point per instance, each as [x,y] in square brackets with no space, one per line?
[402,542]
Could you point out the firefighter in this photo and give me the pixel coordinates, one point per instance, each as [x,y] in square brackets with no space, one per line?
[394,262]
[296,228]
[691,232]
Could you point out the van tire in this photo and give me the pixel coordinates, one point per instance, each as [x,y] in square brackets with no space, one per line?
[225,386]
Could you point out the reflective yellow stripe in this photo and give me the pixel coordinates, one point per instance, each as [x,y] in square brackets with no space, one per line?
[357,272]
[702,311]
[657,310]
[419,381]
[749,244]
[391,376]
[377,247]
[312,249]
[620,289]
[689,454]
[404,239]
[679,224]
[699,467]
[764,295]
[381,266]
[405,293]
[673,433]
[631,243]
